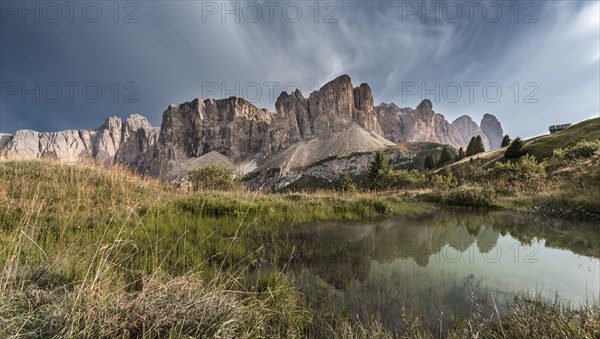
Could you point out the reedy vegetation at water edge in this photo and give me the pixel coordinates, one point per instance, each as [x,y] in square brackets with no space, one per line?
[94,252]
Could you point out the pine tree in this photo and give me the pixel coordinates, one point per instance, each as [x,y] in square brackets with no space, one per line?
[347,185]
[470,147]
[475,146]
[461,154]
[505,141]
[445,158]
[379,167]
[429,162]
[515,150]
[479,148]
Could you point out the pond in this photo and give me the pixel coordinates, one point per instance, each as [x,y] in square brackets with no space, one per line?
[444,265]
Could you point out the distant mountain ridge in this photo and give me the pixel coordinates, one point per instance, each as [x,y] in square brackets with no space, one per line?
[337,120]
[402,125]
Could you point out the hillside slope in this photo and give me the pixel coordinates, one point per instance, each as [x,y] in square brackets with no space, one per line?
[542,147]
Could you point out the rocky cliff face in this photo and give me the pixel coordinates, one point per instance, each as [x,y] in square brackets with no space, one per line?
[338,121]
[113,142]
[492,129]
[423,124]
[389,120]
[402,125]
[335,108]
[468,129]
[232,127]
[138,139]
[419,125]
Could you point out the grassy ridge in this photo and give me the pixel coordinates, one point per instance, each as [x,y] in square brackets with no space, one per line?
[543,147]
[559,176]
[94,252]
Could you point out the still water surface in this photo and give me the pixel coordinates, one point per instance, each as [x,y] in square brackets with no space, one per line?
[451,263]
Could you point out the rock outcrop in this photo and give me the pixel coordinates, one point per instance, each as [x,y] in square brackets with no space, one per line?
[389,120]
[402,125]
[232,127]
[469,129]
[113,142]
[311,135]
[419,125]
[138,139]
[423,124]
[335,108]
[493,130]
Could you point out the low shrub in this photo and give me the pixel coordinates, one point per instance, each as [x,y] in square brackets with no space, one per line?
[403,179]
[472,173]
[477,197]
[444,181]
[583,149]
[347,185]
[214,177]
[562,157]
[526,173]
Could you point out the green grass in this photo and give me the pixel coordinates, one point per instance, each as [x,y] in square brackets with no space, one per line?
[542,147]
[93,252]
[563,181]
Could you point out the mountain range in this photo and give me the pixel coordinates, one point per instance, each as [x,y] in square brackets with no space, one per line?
[333,123]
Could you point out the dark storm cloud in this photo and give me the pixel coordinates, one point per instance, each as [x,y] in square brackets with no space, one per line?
[178,51]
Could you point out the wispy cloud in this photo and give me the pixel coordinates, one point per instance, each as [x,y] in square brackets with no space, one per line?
[173,51]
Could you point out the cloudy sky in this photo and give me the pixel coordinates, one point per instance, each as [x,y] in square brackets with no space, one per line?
[69,65]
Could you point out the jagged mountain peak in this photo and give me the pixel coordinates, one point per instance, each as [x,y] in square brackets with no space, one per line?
[402,125]
[468,129]
[464,118]
[492,127]
[244,133]
[425,105]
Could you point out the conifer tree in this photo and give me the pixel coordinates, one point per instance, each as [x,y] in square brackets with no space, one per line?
[379,167]
[429,162]
[445,158]
[475,146]
[479,148]
[461,154]
[515,150]
[470,147]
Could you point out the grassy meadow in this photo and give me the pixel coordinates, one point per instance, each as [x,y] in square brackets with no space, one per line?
[92,252]
[95,252]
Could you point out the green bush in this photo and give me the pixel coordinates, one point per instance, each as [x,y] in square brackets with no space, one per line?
[515,150]
[563,157]
[403,179]
[444,181]
[378,169]
[347,185]
[525,168]
[466,196]
[471,173]
[214,177]
[583,149]
[526,172]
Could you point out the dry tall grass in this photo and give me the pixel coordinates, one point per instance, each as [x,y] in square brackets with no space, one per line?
[90,252]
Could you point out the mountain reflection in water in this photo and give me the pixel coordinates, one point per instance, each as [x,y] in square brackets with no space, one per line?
[450,263]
